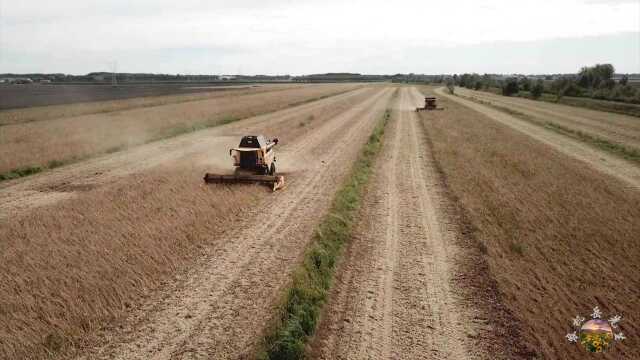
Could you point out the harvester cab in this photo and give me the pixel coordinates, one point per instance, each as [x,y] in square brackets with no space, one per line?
[255,154]
[254,160]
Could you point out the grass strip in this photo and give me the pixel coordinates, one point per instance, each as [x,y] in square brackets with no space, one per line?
[20,172]
[170,133]
[619,150]
[602,144]
[312,280]
[617,107]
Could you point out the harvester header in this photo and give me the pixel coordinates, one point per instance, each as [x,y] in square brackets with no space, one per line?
[254,160]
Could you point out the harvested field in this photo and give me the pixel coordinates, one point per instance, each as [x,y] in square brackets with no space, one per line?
[398,293]
[616,128]
[605,162]
[560,234]
[68,139]
[481,234]
[133,252]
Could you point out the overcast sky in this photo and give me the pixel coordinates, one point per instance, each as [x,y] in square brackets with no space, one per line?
[311,36]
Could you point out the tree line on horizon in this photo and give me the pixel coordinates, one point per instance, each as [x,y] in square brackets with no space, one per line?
[595,82]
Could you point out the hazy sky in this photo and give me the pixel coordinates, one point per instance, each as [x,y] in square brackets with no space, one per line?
[310,36]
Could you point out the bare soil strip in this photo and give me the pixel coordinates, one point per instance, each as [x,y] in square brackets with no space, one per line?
[616,128]
[395,297]
[226,301]
[597,159]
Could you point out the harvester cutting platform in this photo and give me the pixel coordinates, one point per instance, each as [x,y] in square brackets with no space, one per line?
[254,160]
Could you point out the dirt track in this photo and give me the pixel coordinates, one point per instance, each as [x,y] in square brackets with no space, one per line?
[394,298]
[616,128]
[597,159]
[221,306]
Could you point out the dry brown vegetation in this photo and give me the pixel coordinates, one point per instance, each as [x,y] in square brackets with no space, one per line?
[45,143]
[65,276]
[40,113]
[615,128]
[70,269]
[560,238]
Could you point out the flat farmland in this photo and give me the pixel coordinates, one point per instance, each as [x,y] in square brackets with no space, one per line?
[24,96]
[557,221]
[619,129]
[140,225]
[479,233]
[61,140]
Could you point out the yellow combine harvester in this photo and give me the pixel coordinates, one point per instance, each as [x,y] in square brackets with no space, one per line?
[429,104]
[254,160]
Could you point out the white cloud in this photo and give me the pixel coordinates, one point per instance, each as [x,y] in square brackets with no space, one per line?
[275,35]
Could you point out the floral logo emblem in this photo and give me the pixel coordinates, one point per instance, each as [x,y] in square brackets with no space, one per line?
[597,334]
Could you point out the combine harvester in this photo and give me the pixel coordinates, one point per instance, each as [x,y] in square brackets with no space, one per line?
[254,160]
[429,104]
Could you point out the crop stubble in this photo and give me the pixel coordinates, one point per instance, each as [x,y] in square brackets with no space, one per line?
[560,233]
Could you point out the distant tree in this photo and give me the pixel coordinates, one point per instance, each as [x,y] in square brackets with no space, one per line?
[537,89]
[624,80]
[525,84]
[487,81]
[510,87]
[566,85]
[590,77]
[478,85]
[451,86]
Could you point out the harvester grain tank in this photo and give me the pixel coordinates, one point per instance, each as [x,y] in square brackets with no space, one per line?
[255,162]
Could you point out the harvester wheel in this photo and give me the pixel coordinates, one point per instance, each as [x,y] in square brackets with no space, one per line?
[272,170]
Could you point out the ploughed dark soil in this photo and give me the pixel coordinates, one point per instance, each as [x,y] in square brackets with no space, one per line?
[20,96]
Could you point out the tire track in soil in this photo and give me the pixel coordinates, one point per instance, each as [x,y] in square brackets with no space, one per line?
[394,297]
[602,161]
[227,300]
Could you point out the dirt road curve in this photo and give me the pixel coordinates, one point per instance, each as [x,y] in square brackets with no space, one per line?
[221,307]
[599,160]
[394,297]
[23,194]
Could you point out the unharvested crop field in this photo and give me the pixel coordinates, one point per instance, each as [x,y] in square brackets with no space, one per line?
[116,228]
[479,234]
[60,140]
